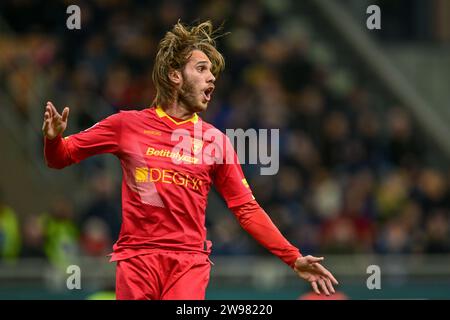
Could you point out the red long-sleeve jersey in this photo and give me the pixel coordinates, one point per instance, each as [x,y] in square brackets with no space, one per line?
[168,167]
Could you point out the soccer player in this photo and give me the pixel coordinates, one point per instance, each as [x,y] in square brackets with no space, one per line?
[162,251]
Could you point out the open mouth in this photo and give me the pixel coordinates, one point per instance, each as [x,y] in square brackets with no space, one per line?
[207,93]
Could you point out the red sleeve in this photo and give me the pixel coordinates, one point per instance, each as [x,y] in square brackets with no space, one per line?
[103,137]
[258,224]
[229,179]
[55,153]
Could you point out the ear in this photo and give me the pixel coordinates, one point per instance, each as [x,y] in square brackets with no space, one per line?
[175,76]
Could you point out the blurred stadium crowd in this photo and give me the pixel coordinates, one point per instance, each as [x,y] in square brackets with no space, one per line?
[354,176]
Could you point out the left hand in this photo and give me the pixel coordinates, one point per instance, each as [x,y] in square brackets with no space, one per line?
[310,269]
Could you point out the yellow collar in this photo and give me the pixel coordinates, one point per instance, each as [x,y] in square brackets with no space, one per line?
[161,113]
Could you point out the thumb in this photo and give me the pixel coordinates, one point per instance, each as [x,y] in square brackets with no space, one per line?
[65,114]
[312,259]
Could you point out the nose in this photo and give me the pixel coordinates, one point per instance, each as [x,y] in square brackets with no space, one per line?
[211,77]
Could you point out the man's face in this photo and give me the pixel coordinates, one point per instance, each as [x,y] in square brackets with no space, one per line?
[197,82]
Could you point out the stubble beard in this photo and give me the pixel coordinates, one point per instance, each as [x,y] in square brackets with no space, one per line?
[188,97]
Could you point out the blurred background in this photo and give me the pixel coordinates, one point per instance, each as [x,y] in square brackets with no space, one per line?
[364,148]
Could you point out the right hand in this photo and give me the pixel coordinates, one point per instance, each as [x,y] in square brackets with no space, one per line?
[54,123]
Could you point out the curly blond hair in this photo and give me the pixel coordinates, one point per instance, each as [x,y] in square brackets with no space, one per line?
[175,49]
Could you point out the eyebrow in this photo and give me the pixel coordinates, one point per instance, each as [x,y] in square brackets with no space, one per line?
[202,62]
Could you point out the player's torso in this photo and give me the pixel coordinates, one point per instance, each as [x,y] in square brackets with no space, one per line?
[168,158]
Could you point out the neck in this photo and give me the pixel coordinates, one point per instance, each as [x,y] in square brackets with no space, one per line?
[177,110]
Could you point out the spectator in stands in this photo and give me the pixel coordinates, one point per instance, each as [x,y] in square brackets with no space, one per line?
[33,238]
[61,234]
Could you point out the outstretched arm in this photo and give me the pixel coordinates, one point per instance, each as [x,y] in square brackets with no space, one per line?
[103,137]
[231,184]
[259,225]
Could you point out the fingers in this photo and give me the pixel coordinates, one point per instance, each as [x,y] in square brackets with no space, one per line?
[48,111]
[65,114]
[332,278]
[54,112]
[324,272]
[309,268]
[45,126]
[315,288]
[47,117]
[324,287]
[329,285]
